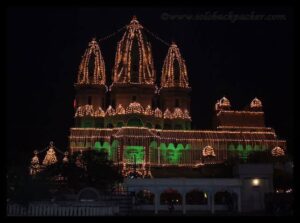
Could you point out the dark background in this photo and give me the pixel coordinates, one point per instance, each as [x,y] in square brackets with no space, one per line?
[239,60]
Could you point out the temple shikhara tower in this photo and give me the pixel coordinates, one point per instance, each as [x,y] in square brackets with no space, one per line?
[144,125]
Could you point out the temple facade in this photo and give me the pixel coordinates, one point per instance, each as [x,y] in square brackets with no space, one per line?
[143,124]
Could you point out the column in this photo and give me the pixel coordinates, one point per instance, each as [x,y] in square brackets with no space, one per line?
[212,196]
[208,199]
[183,203]
[239,201]
[156,202]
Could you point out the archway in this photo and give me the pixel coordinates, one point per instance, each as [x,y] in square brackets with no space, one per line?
[145,197]
[196,197]
[170,196]
[135,122]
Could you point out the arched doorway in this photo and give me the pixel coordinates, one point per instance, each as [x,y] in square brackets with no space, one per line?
[196,197]
[145,197]
[170,196]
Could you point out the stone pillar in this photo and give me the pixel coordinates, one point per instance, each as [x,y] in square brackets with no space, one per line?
[156,202]
[239,201]
[183,203]
[212,196]
[208,199]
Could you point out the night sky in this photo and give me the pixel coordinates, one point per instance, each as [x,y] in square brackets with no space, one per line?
[240,60]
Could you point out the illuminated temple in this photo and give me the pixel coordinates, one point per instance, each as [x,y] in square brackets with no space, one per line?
[143,124]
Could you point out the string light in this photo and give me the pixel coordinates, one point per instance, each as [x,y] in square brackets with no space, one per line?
[158,113]
[208,151]
[122,69]
[50,157]
[223,103]
[97,75]
[160,147]
[255,103]
[168,78]
[110,111]
[35,164]
[148,110]
[120,110]
[277,151]
[134,107]
[168,114]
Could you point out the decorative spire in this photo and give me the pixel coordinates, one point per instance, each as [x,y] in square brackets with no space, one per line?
[35,164]
[256,104]
[134,62]
[92,67]
[223,104]
[66,159]
[174,72]
[50,157]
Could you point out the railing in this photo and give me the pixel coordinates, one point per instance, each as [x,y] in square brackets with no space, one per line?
[56,209]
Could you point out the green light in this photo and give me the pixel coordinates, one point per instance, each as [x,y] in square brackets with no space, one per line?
[172,154]
[134,154]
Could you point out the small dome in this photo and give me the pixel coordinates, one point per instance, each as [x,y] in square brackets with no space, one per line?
[255,103]
[99,112]
[277,151]
[178,113]
[148,110]
[120,110]
[79,112]
[223,103]
[110,111]
[186,114]
[158,113]
[208,151]
[168,114]
[88,110]
[135,107]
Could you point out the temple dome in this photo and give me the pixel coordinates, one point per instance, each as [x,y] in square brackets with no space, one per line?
[133,61]
[92,67]
[135,107]
[174,72]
